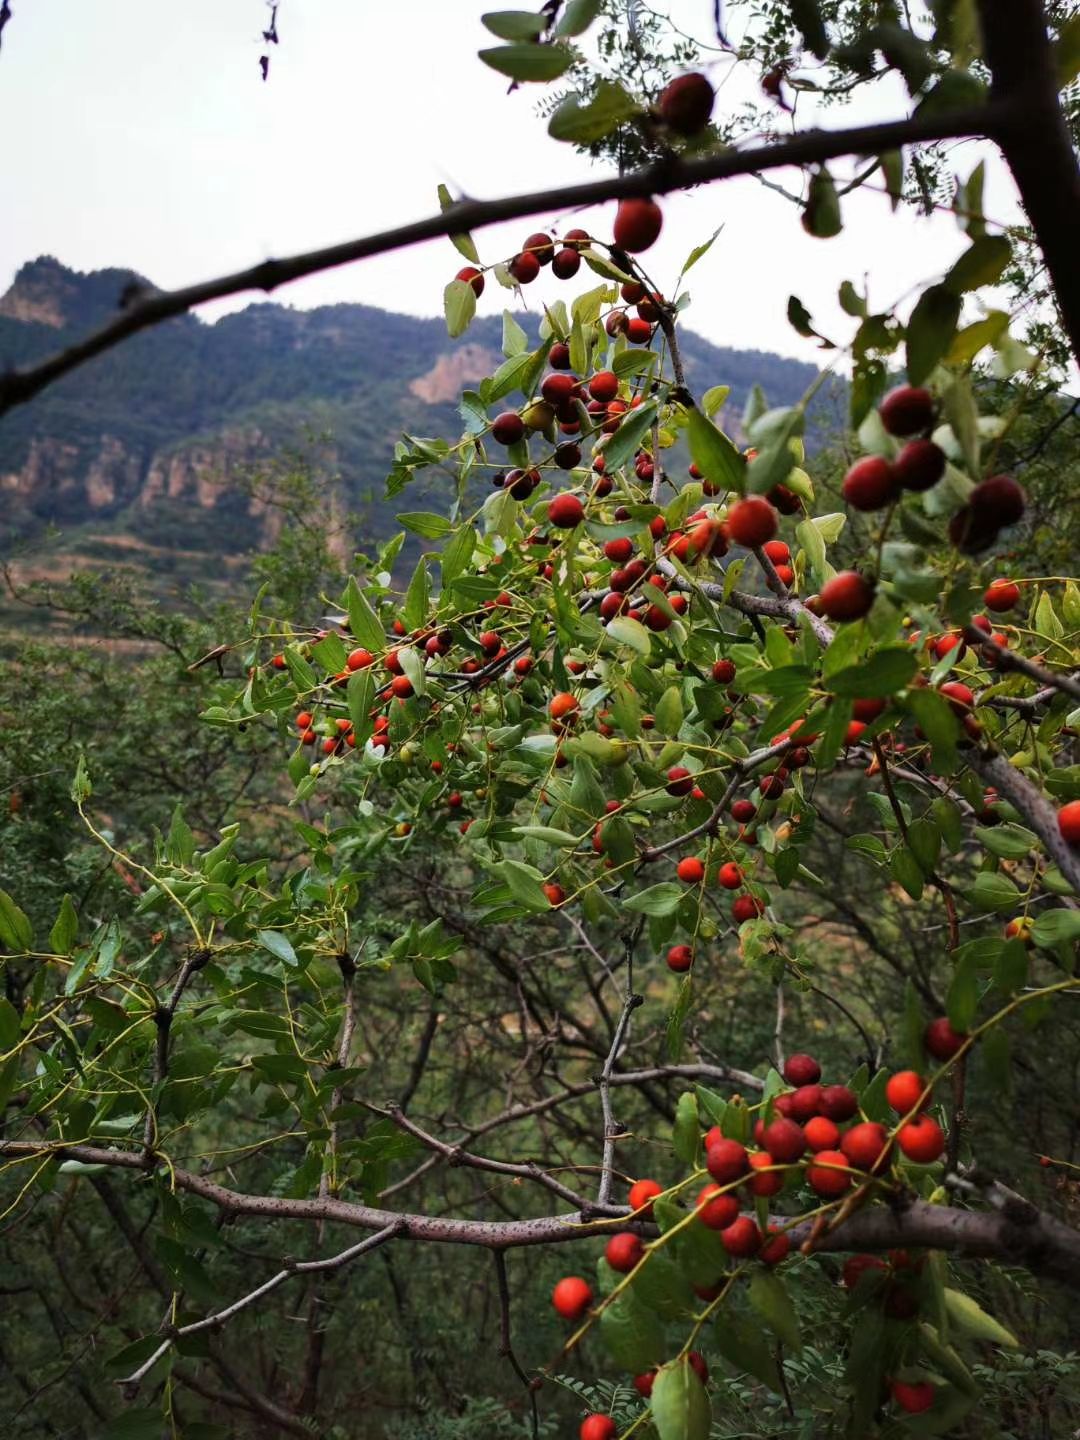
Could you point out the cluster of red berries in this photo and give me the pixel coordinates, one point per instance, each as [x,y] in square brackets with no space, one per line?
[874,482]
[806,1118]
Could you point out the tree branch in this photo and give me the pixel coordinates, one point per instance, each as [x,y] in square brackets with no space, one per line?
[506,1344]
[1033,806]
[812,147]
[1044,1245]
[1006,659]
[543,1230]
[630,1004]
[454,1155]
[1034,138]
[130,1383]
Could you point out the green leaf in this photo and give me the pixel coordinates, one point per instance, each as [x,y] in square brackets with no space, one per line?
[662,899]
[65,928]
[10,1024]
[924,841]
[768,1295]
[330,653]
[456,555]
[973,1320]
[462,242]
[686,1132]
[995,1060]
[937,722]
[880,675]
[950,822]
[799,318]
[363,622]
[459,307]
[425,523]
[631,432]
[906,871]
[632,1333]
[1067,51]
[1011,966]
[680,1405]
[962,999]
[669,711]
[698,252]
[515,24]
[279,946]
[930,330]
[745,1347]
[417,597]
[525,883]
[962,413]
[628,631]
[1011,842]
[821,214]
[968,342]
[663,1288]
[141,1424]
[15,931]
[514,339]
[714,454]
[585,124]
[868,382]
[808,536]
[982,263]
[993,891]
[578,16]
[1056,927]
[360,695]
[913,1027]
[851,302]
[561,839]
[81,788]
[529,62]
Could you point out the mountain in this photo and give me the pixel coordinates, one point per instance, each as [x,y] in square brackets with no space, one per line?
[138,452]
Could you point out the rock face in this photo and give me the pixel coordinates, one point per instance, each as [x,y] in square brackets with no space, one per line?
[445,380]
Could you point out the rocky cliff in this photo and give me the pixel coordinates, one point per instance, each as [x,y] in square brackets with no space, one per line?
[167,421]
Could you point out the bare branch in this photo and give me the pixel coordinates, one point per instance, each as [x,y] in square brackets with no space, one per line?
[780,607]
[630,1004]
[1006,659]
[1044,1245]
[506,1344]
[454,1155]
[130,1383]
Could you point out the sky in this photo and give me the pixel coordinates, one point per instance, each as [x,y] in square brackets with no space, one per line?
[137,133]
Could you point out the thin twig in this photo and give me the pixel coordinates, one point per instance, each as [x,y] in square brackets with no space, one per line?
[454,1155]
[631,1001]
[130,1383]
[506,1344]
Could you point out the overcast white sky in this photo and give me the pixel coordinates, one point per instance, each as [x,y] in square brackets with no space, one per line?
[137,133]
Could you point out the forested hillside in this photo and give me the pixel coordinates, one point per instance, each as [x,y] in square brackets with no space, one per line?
[139,445]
